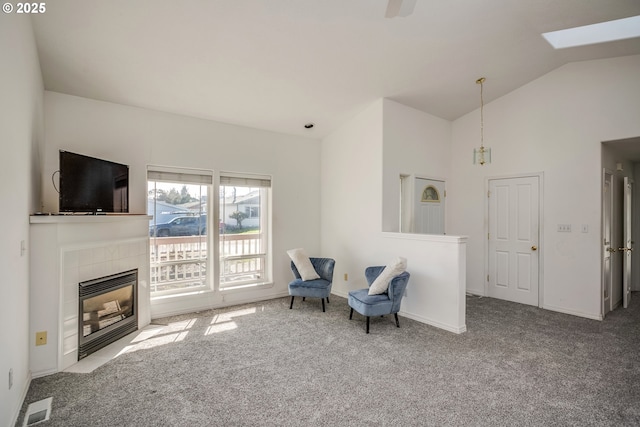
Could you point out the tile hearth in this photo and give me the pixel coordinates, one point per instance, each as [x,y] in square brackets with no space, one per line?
[113,350]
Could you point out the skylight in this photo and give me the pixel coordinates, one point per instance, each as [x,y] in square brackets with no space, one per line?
[609,31]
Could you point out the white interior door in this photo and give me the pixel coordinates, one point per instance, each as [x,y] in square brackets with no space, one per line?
[513,239]
[429,206]
[607,250]
[628,244]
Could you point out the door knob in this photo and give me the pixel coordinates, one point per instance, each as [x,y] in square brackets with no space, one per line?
[534,248]
[611,249]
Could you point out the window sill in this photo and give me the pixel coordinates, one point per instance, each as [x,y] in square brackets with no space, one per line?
[181,295]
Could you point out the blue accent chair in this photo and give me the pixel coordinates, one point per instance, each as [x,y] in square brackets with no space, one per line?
[379,305]
[318,288]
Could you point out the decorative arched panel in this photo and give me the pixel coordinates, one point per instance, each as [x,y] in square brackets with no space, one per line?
[430,194]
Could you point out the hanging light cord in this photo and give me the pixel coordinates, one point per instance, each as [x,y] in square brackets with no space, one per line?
[480,81]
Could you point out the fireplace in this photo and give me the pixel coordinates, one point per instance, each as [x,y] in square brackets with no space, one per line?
[108,309]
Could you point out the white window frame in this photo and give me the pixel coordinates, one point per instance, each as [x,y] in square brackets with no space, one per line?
[197,177]
[247,180]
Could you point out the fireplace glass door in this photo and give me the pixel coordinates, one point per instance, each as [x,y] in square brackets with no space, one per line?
[108,311]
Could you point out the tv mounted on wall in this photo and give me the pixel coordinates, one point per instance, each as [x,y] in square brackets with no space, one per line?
[92,185]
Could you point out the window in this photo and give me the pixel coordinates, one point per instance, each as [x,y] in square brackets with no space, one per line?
[179,253]
[252,211]
[244,230]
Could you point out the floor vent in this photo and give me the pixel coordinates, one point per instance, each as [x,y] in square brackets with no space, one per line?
[37,412]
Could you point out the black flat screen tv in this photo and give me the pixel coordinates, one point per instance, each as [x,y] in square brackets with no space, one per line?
[92,185]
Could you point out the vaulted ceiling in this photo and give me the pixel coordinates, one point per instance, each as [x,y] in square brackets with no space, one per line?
[278,64]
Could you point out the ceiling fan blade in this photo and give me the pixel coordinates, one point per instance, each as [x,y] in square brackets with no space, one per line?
[400,8]
[393,8]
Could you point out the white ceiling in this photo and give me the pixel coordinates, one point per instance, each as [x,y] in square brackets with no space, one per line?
[278,64]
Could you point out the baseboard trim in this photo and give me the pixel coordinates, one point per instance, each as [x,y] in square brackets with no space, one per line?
[221,304]
[572,312]
[421,319]
[344,295]
[439,325]
[40,374]
[616,305]
[25,390]
[250,300]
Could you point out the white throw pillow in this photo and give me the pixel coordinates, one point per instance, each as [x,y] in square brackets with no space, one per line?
[381,284]
[303,264]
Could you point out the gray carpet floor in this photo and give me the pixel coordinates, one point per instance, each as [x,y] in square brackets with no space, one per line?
[265,365]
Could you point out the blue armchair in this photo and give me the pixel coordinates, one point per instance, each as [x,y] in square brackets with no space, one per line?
[318,288]
[379,305]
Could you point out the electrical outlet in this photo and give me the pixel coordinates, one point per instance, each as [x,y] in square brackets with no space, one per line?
[346,277]
[564,228]
[41,338]
[10,378]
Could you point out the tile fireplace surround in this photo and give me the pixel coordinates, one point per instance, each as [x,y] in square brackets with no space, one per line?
[66,250]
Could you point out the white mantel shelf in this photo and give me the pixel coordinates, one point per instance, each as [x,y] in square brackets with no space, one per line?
[87,219]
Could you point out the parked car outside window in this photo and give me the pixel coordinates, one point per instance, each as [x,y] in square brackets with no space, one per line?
[192,225]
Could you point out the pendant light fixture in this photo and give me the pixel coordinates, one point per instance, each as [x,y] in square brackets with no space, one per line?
[481,155]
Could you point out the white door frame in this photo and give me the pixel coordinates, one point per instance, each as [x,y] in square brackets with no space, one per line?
[604,308]
[540,176]
[627,241]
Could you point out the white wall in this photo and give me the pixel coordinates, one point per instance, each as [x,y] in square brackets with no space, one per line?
[20,135]
[414,143]
[554,125]
[351,195]
[352,209]
[140,137]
